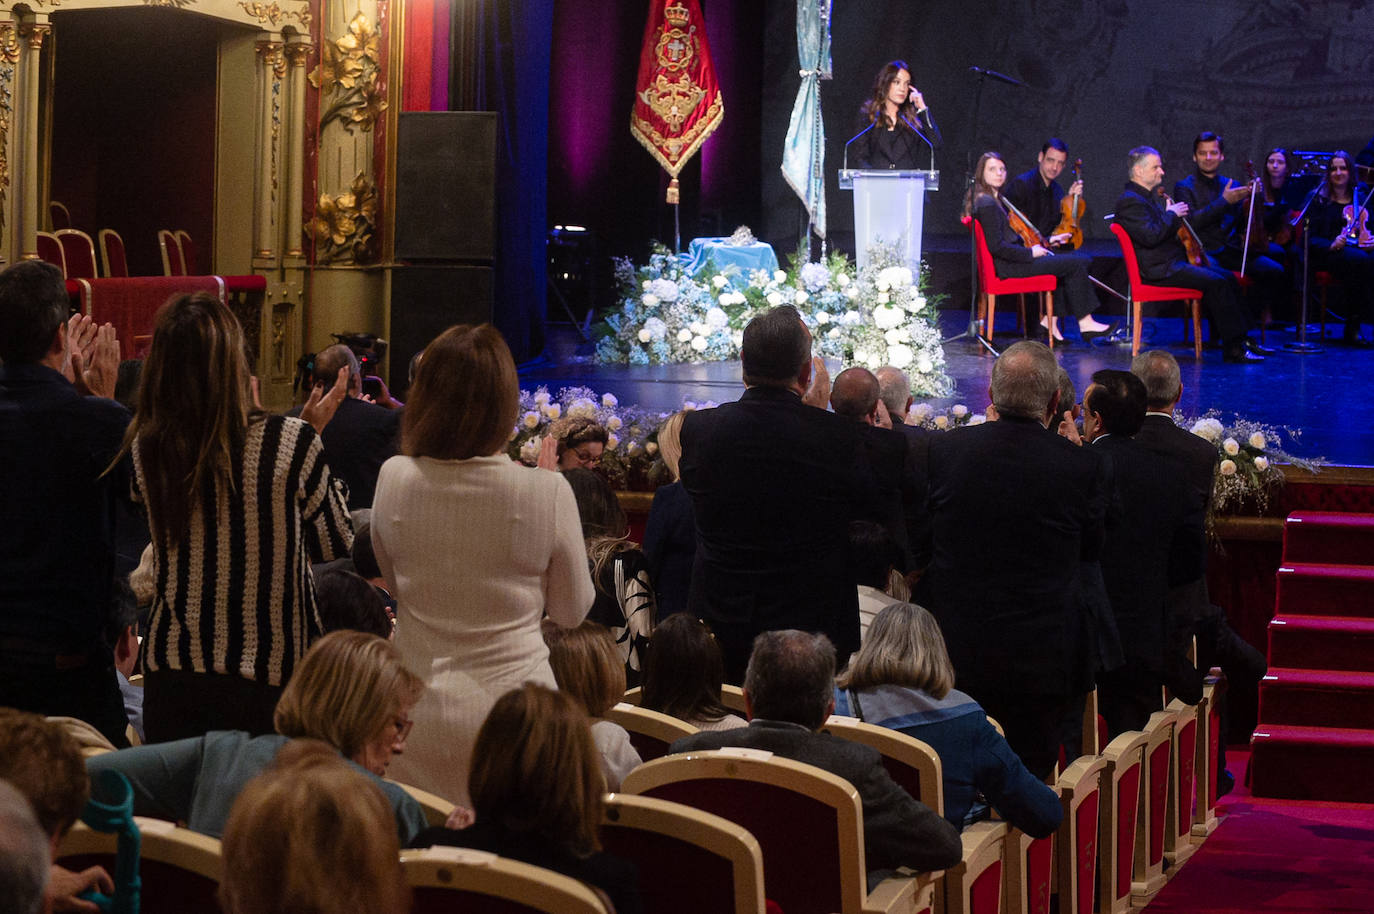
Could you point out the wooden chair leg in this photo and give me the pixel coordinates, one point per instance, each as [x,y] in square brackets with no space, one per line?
[989,315]
[1134,307]
[1197,329]
[1049,317]
[1021,310]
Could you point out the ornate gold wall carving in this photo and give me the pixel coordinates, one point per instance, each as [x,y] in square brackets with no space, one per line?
[9,58]
[272,14]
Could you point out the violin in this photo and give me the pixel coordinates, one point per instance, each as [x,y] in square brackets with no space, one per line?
[1356,229]
[1256,239]
[1071,210]
[1030,235]
[1192,244]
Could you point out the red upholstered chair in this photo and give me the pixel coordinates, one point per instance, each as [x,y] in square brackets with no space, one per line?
[1208,747]
[448,879]
[651,733]
[112,257]
[1147,876]
[689,861]
[50,251]
[1029,872]
[1122,778]
[913,764]
[79,252]
[58,216]
[974,884]
[991,286]
[1137,292]
[1178,820]
[179,869]
[1080,795]
[188,252]
[808,822]
[173,264]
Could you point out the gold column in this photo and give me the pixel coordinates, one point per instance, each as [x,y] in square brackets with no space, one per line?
[10,127]
[33,32]
[297,53]
[273,69]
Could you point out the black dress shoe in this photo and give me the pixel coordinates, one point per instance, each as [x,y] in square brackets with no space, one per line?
[1356,342]
[1090,335]
[1242,354]
[1257,349]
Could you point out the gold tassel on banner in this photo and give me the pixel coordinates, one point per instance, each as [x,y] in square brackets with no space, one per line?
[673,196]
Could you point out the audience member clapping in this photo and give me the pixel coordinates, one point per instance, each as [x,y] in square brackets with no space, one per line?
[311,834]
[580,442]
[624,595]
[901,678]
[239,503]
[670,534]
[683,672]
[587,666]
[351,691]
[536,787]
[475,548]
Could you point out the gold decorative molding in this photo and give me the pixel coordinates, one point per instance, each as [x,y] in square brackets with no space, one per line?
[344,224]
[349,77]
[174,4]
[34,33]
[297,53]
[273,54]
[9,59]
[272,14]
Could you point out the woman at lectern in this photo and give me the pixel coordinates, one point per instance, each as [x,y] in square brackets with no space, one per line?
[896,128]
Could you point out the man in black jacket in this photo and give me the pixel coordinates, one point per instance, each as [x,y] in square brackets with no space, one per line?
[894,388]
[1153,228]
[789,692]
[774,483]
[1154,539]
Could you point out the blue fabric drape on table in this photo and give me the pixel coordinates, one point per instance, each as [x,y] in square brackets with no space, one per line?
[803,154]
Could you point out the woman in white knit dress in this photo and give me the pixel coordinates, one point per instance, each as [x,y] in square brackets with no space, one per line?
[475,548]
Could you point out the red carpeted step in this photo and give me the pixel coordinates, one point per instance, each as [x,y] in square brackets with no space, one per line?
[1317,698]
[1322,642]
[1312,763]
[1325,590]
[1329,537]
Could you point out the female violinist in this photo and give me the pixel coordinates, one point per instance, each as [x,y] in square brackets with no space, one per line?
[1013,258]
[1329,220]
[900,129]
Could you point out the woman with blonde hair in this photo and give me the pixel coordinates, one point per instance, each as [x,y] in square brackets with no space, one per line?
[475,548]
[282,848]
[351,692]
[537,792]
[240,503]
[587,666]
[901,678]
[670,535]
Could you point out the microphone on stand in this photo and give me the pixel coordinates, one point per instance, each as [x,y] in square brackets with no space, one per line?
[1000,77]
[924,139]
[845,164]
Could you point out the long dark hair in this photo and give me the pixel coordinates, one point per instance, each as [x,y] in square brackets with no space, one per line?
[605,529]
[194,407]
[980,186]
[874,110]
[1271,192]
[1349,168]
[683,670]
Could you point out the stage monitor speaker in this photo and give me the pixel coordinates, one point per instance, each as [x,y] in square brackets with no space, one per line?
[426,301]
[446,186]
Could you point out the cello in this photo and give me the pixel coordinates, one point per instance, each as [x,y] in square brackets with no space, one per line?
[1071,212]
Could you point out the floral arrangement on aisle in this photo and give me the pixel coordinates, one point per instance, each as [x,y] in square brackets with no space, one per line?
[879,315]
[942,420]
[1247,475]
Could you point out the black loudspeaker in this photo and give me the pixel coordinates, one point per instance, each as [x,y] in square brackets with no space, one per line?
[446,186]
[426,301]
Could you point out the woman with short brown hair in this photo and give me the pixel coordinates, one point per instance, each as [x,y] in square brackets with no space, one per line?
[476,550]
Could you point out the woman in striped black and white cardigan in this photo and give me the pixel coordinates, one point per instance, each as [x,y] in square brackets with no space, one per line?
[239,503]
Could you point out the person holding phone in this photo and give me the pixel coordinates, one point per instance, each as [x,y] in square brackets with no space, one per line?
[896,127]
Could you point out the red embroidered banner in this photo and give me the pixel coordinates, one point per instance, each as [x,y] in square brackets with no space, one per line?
[677,98]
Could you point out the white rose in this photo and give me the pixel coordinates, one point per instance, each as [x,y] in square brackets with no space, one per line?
[651,448]
[922,411]
[822,317]
[841,280]
[833,333]
[1231,446]
[697,328]
[614,423]
[719,281]
[884,297]
[611,442]
[801,297]
[699,343]
[895,337]
[917,303]
[530,419]
[860,356]
[649,299]
[851,291]
[541,397]
[882,284]
[645,336]
[850,317]
[1207,428]
[942,422]
[899,355]
[646,284]
[978,419]
[717,319]
[553,410]
[684,335]
[959,411]
[1261,463]
[774,298]
[529,451]
[779,276]
[886,317]
[1258,442]
[609,401]
[1228,468]
[924,366]
[874,363]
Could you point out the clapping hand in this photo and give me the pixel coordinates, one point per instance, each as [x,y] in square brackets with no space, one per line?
[818,391]
[92,358]
[322,406]
[548,453]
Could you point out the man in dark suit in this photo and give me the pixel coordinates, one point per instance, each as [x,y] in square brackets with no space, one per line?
[789,692]
[362,435]
[894,389]
[1016,510]
[855,396]
[774,482]
[1154,538]
[1153,228]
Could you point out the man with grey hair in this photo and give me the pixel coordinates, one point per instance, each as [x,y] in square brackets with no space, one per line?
[23,854]
[894,387]
[789,691]
[1153,228]
[1016,511]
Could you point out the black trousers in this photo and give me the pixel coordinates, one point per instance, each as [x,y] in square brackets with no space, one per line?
[1071,268]
[89,693]
[1032,724]
[1126,697]
[1271,286]
[1354,270]
[178,704]
[1219,297]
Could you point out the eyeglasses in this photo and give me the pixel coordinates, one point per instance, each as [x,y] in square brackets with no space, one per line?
[403,726]
[587,457]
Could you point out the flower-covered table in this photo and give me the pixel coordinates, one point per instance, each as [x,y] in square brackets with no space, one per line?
[725,253]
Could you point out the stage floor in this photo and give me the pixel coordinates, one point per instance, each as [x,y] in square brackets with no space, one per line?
[1327,395]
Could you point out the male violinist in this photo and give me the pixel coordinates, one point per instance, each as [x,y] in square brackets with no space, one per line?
[1153,229]
[1038,194]
[1217,209]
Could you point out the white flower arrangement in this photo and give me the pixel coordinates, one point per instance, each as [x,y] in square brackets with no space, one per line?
[1247,476]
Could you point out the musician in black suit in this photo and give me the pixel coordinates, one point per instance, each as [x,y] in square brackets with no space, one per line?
[774,483]
[894,388]
[896,129]
[1016,510]
[1153,228]
[1154,538]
